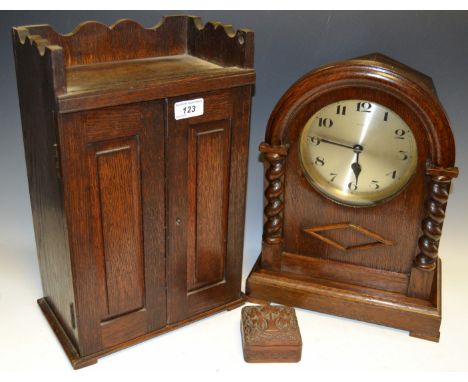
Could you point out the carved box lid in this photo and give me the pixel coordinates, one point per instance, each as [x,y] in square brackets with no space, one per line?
[270,326]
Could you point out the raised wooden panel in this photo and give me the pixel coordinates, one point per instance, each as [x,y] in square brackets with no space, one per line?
[117,224]
[113,166]
[208,162]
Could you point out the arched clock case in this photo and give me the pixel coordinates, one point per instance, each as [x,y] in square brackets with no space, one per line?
[338,246]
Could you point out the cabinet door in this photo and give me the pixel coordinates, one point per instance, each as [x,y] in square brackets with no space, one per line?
[113,173]
[206,171]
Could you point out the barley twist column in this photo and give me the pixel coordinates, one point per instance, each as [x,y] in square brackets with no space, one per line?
[273,227]
[432,225]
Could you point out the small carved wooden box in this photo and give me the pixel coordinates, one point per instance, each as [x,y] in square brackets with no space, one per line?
[270,334]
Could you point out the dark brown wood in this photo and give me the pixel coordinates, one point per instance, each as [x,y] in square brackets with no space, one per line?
[343,272]
[233,48]
[39,79]
[326,237]
[274,203]
[98,66]
[205,161]
[138,217]
[420,317]
[114,83]
[79,361]
[270,334]
[92,42]
[425,262]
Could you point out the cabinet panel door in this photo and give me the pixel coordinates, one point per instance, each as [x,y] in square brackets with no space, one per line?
[116,208]
[206,164]
[114,178]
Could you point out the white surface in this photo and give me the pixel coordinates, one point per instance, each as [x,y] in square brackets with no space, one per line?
[188,109]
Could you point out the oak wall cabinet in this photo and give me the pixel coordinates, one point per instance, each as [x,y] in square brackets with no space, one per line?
[138,207]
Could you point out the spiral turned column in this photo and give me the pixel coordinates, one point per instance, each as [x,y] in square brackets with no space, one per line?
[439,188]
[421,283]
[273,227]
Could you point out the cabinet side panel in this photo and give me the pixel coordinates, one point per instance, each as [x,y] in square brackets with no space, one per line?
[208,149]
[36,98]
[116,201]
[242,102]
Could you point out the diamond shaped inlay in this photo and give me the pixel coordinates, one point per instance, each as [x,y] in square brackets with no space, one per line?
[377,240]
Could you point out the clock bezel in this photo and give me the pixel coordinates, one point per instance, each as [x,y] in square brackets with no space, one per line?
[350,203]
[417,95]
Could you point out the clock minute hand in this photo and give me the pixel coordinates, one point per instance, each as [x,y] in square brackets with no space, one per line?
[337,143]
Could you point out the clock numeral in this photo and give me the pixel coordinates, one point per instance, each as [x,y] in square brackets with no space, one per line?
[364,107]
[385,117]
[400,134]
[375,184]
[333,177]
[352,186]
[319,161]
[403,155]
[325,122]
[341,110]
[314,140]
[392,174]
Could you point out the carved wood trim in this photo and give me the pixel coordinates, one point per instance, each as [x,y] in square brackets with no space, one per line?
[235,47]
[268,325]
[428,243]
[273,212]
[34,51]
[93,42]
[379,240]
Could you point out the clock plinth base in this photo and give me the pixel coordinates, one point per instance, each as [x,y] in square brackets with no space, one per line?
[420,317]
[426,336]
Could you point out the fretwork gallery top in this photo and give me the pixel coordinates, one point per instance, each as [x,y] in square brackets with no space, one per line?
[97,66]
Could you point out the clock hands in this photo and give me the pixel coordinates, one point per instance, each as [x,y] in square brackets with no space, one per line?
[336,143]
[358,149]
[355,166]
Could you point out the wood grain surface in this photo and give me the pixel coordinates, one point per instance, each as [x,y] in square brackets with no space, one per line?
[139,217]
[390,247]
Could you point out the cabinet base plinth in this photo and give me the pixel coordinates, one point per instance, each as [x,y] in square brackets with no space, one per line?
[79,362]
[420,317]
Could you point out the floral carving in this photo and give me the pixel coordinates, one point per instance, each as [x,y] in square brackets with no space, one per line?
[263,325]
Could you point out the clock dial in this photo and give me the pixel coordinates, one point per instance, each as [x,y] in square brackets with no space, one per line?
[358,152]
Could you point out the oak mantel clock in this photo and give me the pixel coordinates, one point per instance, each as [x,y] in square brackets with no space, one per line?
[359,158]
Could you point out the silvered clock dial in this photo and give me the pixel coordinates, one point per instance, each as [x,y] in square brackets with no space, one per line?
[357,152]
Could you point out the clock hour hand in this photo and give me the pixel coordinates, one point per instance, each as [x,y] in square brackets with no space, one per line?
[355,166]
